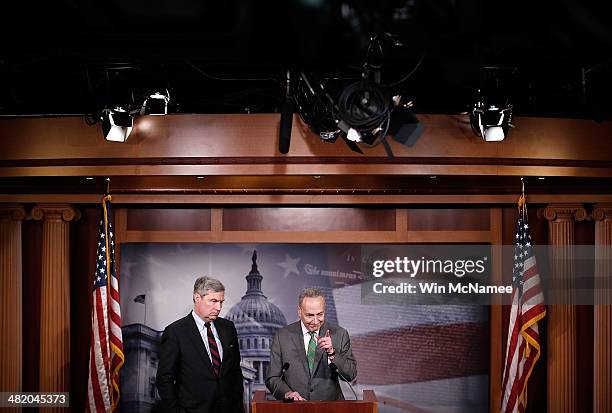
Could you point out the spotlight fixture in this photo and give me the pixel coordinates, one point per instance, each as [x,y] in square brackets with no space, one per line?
[116,124]
[491,111]
[490,122]
[156,104]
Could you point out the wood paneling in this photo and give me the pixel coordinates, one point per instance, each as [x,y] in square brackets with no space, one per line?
[83,239]
[304,185]
[32,270]
[308,219]
[168,219]
[357,168]
[495,314]
[215,135]
[301,200]
[223,145]
[446,219]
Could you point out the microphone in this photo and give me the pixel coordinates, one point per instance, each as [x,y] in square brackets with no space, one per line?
[337,371]
[286,119]
[281,375]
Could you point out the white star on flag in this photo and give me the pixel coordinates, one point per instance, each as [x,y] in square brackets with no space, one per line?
[289,265]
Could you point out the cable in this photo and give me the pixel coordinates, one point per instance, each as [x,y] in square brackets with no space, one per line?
[262,79]
[364,106]
[403,79]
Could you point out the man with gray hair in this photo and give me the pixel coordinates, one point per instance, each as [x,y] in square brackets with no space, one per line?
[308,356]
[199,359]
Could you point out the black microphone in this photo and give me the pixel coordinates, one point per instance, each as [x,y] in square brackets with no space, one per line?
[337,371]
[281,375]
[286,120]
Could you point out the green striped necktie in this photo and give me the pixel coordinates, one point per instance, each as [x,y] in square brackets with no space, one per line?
[312,347]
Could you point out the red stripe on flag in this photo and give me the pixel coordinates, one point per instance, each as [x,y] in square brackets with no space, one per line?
[532,292]
[530,272]
[95,383]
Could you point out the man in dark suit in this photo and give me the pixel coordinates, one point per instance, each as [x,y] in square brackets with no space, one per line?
[310,346]
[199,359]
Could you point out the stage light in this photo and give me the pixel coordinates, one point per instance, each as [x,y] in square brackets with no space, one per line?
[156,104]
[490,122]
[116,124]
[491,110]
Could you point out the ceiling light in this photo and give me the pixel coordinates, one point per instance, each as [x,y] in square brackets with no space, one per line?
[116,124]
[156,104]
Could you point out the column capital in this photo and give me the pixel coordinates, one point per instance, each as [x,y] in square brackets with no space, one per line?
[563,212]
[602,212]
[55,212]
[15,212]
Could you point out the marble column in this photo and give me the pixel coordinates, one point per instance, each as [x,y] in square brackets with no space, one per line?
[55,296]
[562,386]
[10,297]
[602,340]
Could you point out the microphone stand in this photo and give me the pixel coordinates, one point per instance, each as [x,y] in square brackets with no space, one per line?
[337,371]
[282,376]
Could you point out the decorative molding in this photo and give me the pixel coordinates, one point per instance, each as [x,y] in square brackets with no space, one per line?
[306,160]
[55,212]
[311,199]
[602,212]
[563,212]
[14,212]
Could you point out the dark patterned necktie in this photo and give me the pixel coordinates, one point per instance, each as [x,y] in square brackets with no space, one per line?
[215,358]
[312,348]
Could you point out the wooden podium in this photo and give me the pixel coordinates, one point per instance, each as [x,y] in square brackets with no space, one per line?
[369,404]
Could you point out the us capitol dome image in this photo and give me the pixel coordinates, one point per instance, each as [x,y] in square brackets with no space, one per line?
[256,320]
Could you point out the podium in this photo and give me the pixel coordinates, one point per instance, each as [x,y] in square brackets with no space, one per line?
[369,404]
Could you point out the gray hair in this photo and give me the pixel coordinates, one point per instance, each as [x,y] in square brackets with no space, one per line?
[204,284]
[310,292]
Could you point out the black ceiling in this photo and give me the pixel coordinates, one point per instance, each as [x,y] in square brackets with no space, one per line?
[74,57]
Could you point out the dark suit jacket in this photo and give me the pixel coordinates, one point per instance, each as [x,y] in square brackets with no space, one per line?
[185,379]
[322,383]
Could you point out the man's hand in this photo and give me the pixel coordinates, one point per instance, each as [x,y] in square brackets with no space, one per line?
[325,343]
[293,395]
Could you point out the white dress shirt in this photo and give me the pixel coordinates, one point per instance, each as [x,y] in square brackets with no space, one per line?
[306,336]
[204,334]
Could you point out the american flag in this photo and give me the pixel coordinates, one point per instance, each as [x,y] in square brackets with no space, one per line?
[523,347]
[106,352]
